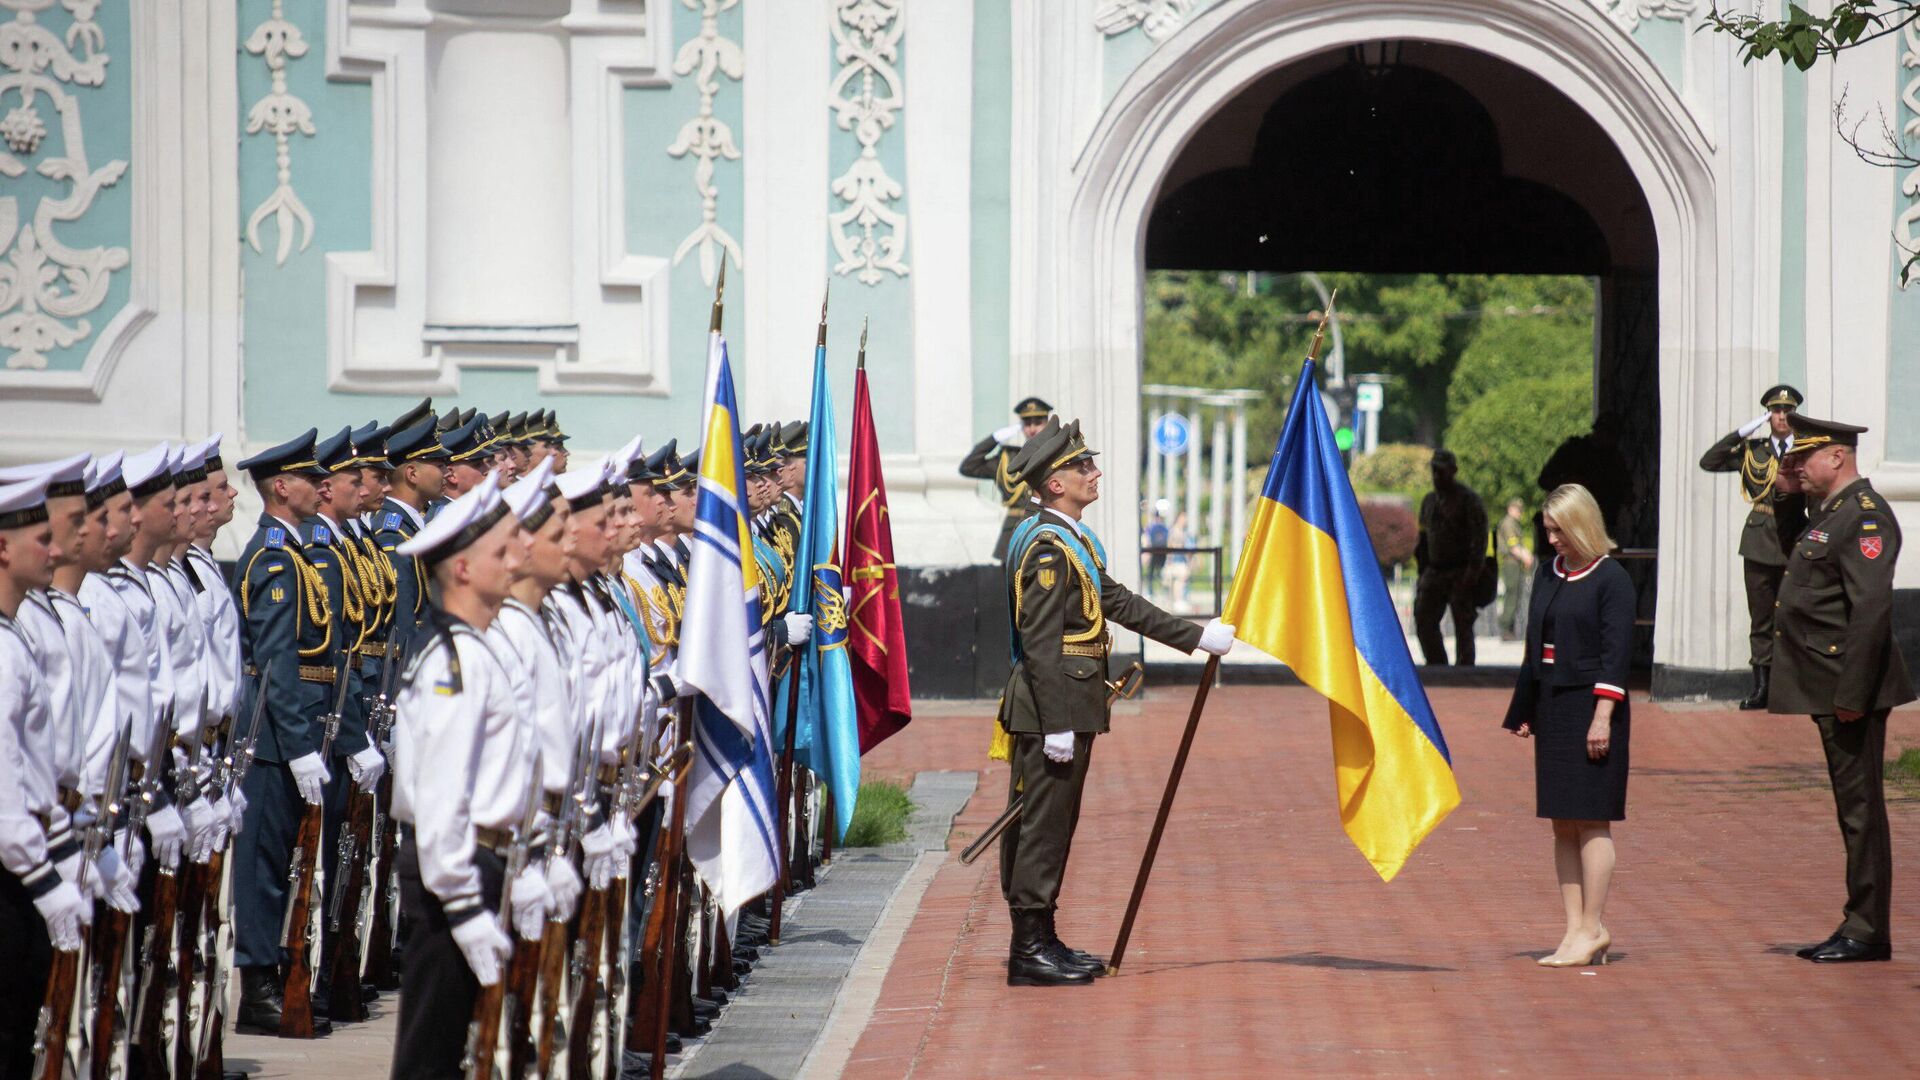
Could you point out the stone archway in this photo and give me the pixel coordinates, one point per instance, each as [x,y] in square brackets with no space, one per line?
[1077,335]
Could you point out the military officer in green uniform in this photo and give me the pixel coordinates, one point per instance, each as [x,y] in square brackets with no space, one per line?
[1062,597]
[1774,519]
[992,459]
[1834,658]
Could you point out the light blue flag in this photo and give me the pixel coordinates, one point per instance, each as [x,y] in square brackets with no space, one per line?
[829,727]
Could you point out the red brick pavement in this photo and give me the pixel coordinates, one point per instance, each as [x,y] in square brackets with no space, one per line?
[1268,947]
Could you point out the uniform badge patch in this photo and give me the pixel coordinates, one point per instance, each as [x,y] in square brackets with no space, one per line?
[391,521]
[1870,546]
[321,535]
[276,594]
[276,537]
[1048,577]
[1866,502]
[1817,536]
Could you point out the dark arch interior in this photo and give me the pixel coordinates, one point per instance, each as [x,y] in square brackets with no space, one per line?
[1416,157]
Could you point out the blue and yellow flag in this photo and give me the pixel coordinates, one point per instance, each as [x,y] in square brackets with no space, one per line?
[1309,592]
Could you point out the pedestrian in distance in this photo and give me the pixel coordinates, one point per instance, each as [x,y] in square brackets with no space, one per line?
[1571,699]
[1516,558]
[1451,554]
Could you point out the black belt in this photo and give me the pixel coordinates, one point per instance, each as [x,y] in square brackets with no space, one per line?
[315,673]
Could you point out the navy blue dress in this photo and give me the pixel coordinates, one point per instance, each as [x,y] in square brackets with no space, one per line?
[1579,648]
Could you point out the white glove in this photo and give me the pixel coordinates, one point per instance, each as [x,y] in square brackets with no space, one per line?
[64,910]
[199,825]
[169,835]
[564,883]
[1747,429]
[367,767]
[1217,638]
[799,628]
[1059,747]
[309,772]
[136,857]
[485,946]
[601,849]
[236,807]
[1008,435]
[628,839]
[532,902]
[120,884]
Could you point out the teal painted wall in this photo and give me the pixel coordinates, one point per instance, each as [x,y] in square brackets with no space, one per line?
[992,211]
[1665,42]
[106,116]
[1793,231]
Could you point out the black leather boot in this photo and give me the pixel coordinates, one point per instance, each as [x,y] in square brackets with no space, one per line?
[259,1001]
[1758,699]
[1036,959]
[1076,958]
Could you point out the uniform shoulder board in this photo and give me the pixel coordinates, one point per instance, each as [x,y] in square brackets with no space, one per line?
[276,537]
[321,535]
[1866,501]
[391,520]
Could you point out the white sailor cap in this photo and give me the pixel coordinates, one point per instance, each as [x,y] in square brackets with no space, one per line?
[211,449]
[529,497]
[23,503]
[618,461]
[584,487]
[147,472]
[65,477]
[457,525]
[103,478]
[190,464]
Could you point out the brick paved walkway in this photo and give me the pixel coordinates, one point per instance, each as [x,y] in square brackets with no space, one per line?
[1268,947]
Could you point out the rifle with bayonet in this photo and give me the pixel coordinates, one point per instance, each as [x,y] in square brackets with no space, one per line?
[352,881]
[579,805]
[296,995]
[230,775]
[667,979]
[589,993]
[494,1002]
[139,800]
[156,960]
[195,962]
[384,844]
[56,1009]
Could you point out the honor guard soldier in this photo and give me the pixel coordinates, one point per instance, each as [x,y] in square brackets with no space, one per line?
[370,448]
[41,908]
[289,644]
[464,757]
[552,441]
[1062,596]
[419,474]
[992,459]
[150,484]
[1774,520]
[1835,659]
[469,457]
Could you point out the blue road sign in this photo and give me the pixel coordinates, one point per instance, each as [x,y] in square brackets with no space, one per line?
[1172,434]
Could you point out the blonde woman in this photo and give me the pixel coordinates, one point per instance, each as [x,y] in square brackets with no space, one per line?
[1572,701]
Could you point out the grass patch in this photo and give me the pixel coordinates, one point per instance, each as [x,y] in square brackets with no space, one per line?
[879,815]
[1903,770]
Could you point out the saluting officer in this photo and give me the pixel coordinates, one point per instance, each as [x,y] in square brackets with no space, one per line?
[288,642]
[1835,659]
[1774,519]
[992,459]
[1062,597]
[463,756]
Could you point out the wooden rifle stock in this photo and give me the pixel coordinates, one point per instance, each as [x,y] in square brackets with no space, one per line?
[213,1055]
[586,993]
[193,903]
[56,1015]
[553,969]
[646,1000]
[667,980]
[109,954]
[343,995]
[380,927]
[615,941]
[523,984]
[483,1035]
[156,975]
[296,1009]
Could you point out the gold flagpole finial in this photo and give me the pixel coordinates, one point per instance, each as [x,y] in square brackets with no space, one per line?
[719,294]
[821,341]
[863,345]
[1319,335]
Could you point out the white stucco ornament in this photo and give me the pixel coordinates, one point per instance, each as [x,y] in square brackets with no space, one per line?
[281,115]
[868,233]
[1907,242]
[707,137]
[1631,13]
[45,286]
[1158,19]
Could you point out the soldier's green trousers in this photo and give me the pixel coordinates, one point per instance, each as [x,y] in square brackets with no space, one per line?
[1033,850]
[1856,754]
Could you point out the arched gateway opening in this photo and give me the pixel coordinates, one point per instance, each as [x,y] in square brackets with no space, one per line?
[1582,159]
[1416,157]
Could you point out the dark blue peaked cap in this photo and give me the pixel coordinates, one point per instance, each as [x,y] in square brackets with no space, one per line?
[296,456]
[417,443]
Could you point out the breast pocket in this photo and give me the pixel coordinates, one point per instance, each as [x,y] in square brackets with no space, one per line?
[1080,667]
[1812,551]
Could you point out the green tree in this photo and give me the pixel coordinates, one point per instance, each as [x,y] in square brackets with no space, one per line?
[1507,433]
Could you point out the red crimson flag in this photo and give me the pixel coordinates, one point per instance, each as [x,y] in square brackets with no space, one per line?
[876,636]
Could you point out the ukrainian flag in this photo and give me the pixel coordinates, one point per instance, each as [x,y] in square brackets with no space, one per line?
[1309,592]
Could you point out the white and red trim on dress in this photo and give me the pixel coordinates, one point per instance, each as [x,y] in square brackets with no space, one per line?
[1600,689]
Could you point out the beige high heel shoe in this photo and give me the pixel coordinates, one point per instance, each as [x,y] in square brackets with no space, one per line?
[1598,955]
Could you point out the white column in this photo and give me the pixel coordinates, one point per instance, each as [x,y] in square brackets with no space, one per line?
[1237,476]
[783,154]
[1216,516]
[1193,470]
[939,195]
[1152,410]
